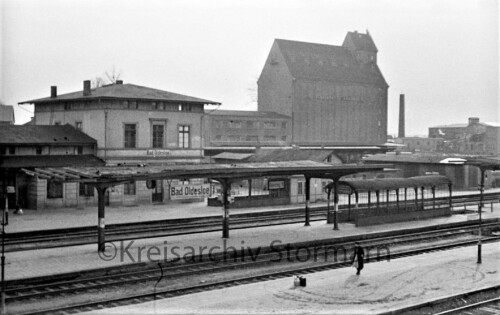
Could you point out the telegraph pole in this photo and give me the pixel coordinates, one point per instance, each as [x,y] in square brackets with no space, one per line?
[4,222]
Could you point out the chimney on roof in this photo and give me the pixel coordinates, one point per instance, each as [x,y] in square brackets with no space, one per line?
[473,120]
[119,82]
[401,131]
[86,88]
[53,91]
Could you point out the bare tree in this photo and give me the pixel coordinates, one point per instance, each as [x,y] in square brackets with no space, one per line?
[109,77]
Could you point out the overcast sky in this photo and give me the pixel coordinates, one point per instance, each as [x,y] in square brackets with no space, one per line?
[442,54]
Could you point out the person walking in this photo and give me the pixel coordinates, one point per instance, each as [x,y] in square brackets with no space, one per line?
[358,257]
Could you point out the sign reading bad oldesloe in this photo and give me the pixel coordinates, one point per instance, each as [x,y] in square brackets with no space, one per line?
[189,191]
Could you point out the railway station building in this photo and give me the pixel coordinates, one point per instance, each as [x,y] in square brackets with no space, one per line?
[133,125]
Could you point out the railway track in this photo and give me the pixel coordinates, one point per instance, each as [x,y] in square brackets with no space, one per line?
[149,229]
[409,244]
[490,306]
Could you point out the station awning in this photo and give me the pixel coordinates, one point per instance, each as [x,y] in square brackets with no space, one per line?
[381,184]
[120,174]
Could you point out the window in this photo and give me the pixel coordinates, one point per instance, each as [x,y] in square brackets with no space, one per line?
[158,131]
[252,124]
[233,138]
[38,150]
[252,138]
[283,138]
[130,135]
[269,124]
[3,150]
[12,150]
[79,149]
[218,137]
[219,124]
[283,125]
[300,188]
[185,107]
[78,125]
[86,190]
[234,124]
[269,138]
[67,106]
[184,137]
[54,189]
[129,188]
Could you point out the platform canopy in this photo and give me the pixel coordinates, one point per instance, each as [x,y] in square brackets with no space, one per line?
[486,163]
[232,172]
[381,184]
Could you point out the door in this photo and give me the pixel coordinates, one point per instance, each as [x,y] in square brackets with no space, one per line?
[158,191]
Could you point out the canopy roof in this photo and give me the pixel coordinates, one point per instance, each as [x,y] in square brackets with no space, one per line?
[231,172]
[349,186]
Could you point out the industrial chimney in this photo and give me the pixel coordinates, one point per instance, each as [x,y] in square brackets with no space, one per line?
[401,133]
[53,91]
[86,88]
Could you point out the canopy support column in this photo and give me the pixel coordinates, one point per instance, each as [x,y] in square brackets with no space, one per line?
[356,195]
[369,198]
[377,193]
[329,214]
[226,186]
[423,198]
[101,226]
[397,198]
[308,193]
[451,197]
[335,204]
[416,197]
[433,197]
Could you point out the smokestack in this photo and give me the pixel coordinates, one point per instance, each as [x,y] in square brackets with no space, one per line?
[401,133]
[86,88]
[53,91]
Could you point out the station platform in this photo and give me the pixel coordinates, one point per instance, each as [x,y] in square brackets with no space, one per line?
[51,261]
[33,220]
[381,288]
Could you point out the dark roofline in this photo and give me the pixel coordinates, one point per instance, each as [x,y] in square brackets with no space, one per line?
[80,97]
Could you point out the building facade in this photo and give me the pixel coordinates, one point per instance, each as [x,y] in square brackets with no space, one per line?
[334,94]
[475,137]
[131,123]
[420,144]
[232,128]
[24,148]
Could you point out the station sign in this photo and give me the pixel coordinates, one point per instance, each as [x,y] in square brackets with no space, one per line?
[189,191]
[277,184]
[156,153]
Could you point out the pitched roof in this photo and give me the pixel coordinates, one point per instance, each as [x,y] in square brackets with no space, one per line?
[18,161]
[327,63]
[489,124]
[246,113]
[278,155]
[7,113]
[124,91]
[408,158]
[42,134]
[232,156]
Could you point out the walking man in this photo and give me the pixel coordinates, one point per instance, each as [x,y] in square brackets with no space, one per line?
[358,257]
